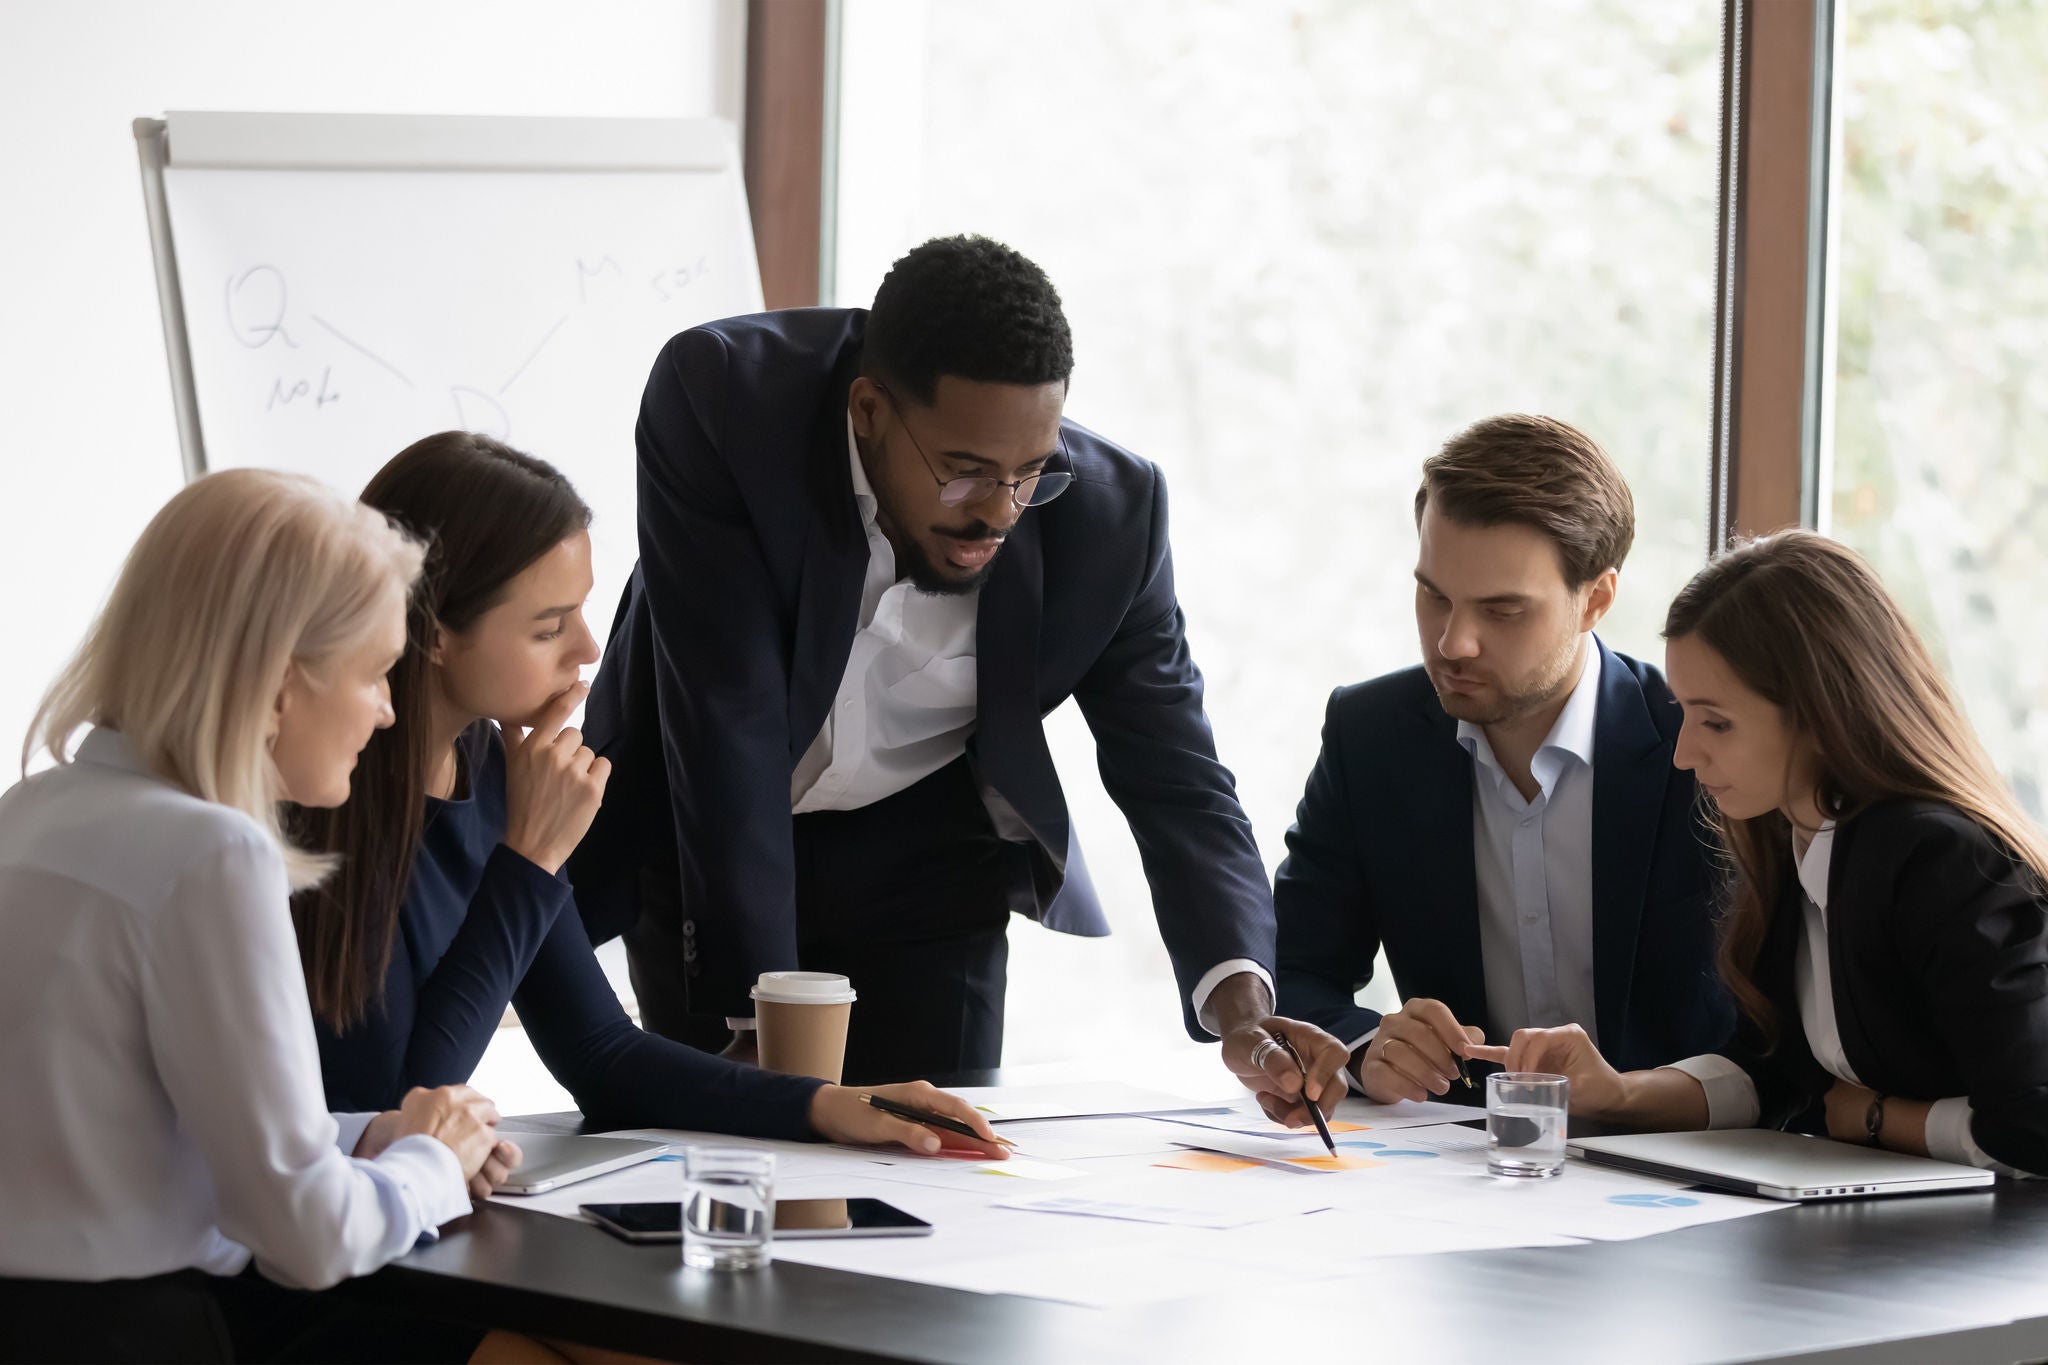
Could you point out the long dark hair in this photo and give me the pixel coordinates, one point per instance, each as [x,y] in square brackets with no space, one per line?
[1806,625]
[485,512]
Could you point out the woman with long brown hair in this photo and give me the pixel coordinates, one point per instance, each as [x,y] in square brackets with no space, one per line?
[1887,931]
[451,902]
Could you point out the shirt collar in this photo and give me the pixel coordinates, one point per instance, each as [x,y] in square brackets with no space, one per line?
[1571,734]
[1813,868]
[863,491]
[109,748]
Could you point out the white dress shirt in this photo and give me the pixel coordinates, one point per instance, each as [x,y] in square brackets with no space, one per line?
[1731,1094]
[1534,866]
[906,703]
[1533,863]
[164,1105]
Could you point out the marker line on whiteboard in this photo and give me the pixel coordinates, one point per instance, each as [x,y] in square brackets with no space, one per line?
[364,350]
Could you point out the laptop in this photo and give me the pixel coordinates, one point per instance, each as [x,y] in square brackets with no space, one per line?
[553,1160]
[1778,1165]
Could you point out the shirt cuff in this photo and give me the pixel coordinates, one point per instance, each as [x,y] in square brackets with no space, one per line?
[1949,1138]
[429,1178]
[1351,1072]
[739,1025]
[1731,1094]
[1222,971]
[351,1128]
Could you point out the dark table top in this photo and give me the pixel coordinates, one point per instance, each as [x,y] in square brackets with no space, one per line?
[1949,1277]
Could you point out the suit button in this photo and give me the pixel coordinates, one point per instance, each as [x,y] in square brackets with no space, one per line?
[689,928]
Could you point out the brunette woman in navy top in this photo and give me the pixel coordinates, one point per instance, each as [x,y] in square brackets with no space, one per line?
[462,817]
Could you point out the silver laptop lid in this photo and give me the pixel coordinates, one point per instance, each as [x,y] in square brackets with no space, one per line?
[1780,1165]
[551,1160]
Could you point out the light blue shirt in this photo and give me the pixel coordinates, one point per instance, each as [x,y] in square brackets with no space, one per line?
[1534,865]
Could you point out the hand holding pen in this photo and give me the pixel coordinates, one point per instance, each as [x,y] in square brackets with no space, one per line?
[914,1115]
[1419,1053]
[1284,1079]
[1315,1111]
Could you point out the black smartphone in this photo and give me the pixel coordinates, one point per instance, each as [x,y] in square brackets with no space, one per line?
[794,1219]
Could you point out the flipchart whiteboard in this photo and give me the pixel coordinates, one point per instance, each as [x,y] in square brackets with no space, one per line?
[335,287]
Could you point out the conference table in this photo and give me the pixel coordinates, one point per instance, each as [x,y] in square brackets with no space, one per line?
[1955,1277]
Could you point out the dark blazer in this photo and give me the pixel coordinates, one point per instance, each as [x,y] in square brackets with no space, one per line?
[1938,960]
[1381,854]
[737,624]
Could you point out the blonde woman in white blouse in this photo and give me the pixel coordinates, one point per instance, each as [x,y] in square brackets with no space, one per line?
[165,1122]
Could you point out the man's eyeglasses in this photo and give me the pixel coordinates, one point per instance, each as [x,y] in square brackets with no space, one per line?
[1033,490]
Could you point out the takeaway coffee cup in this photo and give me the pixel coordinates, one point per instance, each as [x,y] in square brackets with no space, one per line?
[801,1018]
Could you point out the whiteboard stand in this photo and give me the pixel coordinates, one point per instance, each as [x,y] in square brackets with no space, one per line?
[152,145]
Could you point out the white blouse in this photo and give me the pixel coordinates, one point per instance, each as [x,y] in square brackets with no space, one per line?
[157,1059]
[1731,1094]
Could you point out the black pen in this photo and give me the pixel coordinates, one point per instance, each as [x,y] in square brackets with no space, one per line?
[1315,1111]
[1463,1074]
[929,1120]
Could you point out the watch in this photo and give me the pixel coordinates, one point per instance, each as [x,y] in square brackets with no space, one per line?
[1873,1119]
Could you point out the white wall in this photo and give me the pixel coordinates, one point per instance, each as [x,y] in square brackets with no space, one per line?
[88,446]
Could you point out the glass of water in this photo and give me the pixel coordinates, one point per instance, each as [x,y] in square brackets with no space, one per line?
[728,1207]
[1525,1123]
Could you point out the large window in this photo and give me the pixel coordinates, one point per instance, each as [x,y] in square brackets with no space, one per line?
[1940,458]
[1300,246]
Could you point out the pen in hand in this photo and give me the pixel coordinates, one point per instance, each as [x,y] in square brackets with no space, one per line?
[927,1118]
[1315,1111]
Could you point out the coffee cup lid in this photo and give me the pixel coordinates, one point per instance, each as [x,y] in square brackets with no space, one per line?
[803,988]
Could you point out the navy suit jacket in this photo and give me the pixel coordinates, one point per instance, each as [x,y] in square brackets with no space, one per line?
[1381,854]
[738,621]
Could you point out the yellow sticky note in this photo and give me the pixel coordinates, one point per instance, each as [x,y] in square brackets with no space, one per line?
[1204,1161]
[1335,1163]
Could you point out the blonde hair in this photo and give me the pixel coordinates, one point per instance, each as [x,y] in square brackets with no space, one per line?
[241,575]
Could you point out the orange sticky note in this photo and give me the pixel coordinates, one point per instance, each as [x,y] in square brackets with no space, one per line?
[1335,1163]
[1205,1161]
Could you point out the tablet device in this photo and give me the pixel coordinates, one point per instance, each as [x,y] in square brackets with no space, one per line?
[552,1160]
[795,1219]
[1776,1165]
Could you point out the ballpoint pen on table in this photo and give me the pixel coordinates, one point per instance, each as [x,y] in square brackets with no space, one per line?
[1315,1111]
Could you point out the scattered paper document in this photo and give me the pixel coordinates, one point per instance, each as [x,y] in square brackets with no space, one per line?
[1013,1102]
[1340,1162]
[1591,1201]
[1026,1168]
[1353,1116]
[1212,1163]
[1176,1199]
[1090,1138]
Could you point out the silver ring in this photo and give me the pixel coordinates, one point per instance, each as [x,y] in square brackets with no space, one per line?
[1265,1048]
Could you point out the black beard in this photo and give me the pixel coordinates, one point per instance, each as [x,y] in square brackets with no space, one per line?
[926,578]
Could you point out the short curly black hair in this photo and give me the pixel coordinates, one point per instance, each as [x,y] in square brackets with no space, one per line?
[969,307]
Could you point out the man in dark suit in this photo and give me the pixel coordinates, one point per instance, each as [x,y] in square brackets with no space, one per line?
[1505,820]
[873,555]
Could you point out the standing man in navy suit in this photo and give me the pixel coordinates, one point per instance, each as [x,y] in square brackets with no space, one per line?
[873,555]
[1505,820]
